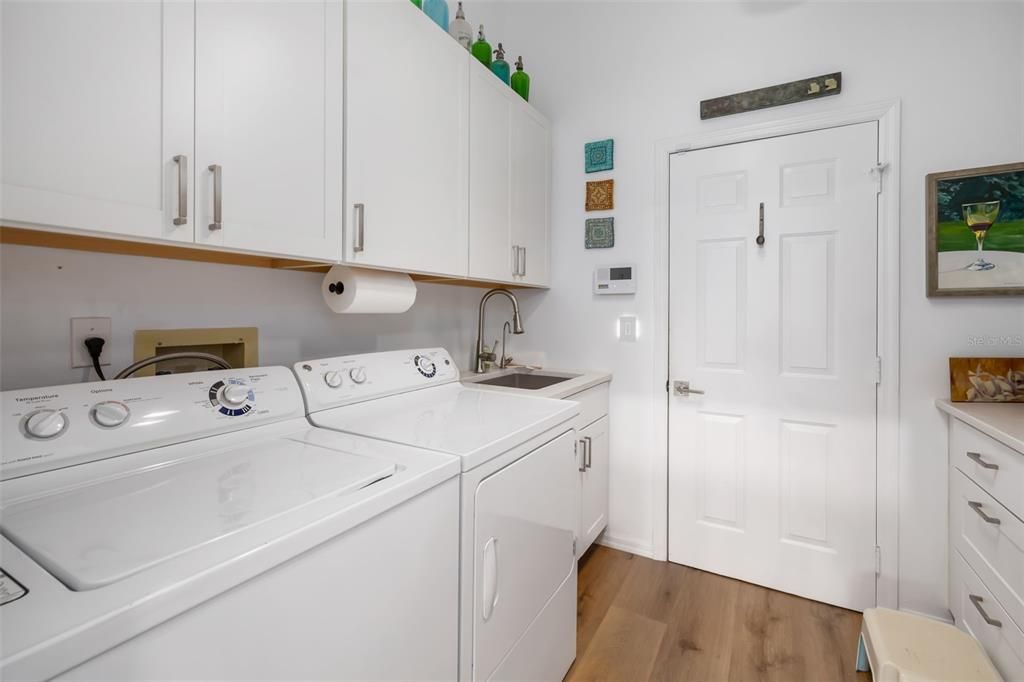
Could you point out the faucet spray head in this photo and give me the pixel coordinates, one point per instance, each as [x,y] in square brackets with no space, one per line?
[517,322]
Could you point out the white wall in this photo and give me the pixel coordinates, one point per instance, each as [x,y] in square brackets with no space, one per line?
[636,71]
[42,289]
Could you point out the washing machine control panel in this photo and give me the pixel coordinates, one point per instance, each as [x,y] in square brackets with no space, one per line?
[48,428]
[333,382]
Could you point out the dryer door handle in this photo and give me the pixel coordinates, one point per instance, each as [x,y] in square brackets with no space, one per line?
[490,578]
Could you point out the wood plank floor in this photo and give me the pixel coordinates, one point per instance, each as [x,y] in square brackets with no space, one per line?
[640,619]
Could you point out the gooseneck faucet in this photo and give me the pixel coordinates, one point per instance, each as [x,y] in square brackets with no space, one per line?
[517,324]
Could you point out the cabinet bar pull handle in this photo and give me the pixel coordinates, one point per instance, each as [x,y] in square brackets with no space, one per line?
[976,600]
[982,463]
[515,260]
[760,225]
[218,198]
[523,272]
[976,506]
[358,238]
[182,162]
[590,450]
[583,455]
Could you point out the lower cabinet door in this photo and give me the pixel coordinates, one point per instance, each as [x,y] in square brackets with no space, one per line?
[593,450]
[525,521]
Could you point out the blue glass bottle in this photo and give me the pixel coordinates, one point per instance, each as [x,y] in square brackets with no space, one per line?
[499,66]
[438,11]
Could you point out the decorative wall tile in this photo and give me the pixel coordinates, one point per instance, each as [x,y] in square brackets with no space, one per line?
[600,233]
[599,156]
[601,195]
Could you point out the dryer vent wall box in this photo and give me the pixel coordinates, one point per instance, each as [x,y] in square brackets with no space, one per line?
[617,279]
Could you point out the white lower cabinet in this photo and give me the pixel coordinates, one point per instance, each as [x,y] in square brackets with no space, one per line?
[986,544]
[592,460]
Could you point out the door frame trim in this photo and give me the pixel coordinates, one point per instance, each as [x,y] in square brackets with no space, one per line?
[887,115]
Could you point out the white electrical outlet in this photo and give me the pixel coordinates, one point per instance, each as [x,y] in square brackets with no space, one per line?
[81,329]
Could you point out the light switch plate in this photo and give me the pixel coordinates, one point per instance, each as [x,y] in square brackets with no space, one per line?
[81,329]
[627,328]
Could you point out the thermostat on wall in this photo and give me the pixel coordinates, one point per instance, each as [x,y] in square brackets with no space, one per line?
[616,279]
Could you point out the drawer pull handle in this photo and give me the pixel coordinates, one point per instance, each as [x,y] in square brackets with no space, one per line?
[583,455]
[976,506]
[982,463]
[976,600]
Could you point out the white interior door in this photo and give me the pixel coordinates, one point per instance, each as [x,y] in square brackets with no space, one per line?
[97,103]
[269,114]
[772,468]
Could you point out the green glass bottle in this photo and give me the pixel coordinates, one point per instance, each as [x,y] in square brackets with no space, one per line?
[418,3]
[499,67]
[481,49]
[521,80]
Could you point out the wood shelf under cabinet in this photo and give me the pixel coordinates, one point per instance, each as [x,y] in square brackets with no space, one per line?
[76,242]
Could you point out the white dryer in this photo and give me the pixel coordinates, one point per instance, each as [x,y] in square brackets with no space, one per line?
[197,527]
[519,496]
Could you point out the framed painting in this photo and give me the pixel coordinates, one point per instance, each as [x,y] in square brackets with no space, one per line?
[976,231]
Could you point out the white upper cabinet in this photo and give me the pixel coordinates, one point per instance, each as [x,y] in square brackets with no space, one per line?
[97,103]
[407,161]
[490,181]
[269,123]
[509,152]
[531,187]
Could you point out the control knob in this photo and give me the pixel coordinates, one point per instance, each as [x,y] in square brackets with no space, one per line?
[110,413]
[332,379]
[357,375]
[234,395]
[45,424]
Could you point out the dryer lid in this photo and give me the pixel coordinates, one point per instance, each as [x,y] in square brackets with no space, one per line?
[109,529]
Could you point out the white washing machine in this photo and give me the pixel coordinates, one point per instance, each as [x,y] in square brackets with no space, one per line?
[197,527]
[519,496]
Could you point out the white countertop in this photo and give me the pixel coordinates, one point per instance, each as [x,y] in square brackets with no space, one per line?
[1002,421]
[581,381]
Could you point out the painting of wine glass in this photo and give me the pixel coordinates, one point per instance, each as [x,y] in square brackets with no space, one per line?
[976,231]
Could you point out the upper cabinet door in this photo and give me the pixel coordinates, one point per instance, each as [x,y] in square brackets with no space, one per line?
[407,161]
[490,227]
[531,183]
[269,126]
[97,103]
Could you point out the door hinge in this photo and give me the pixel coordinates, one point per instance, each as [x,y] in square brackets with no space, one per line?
[574,547]
[878,561]
[878,370]
[667,382]
[878,172]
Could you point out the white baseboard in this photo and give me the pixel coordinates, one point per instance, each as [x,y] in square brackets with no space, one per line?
[631,545]
[946,617]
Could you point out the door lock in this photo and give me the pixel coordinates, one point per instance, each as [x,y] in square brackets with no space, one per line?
[683,388]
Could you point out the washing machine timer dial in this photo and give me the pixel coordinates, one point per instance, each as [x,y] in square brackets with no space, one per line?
[232,398]
[425,366]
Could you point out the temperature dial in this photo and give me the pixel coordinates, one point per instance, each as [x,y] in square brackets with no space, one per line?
[232,397]
[357,375]
[332,379]
[45,424]
[425,365]
[110,414]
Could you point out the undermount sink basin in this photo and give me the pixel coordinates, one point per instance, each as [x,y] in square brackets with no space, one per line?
[530,381]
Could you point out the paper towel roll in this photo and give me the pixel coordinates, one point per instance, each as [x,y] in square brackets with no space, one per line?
[356,290]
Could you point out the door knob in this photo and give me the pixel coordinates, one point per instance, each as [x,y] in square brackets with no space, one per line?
[683,388]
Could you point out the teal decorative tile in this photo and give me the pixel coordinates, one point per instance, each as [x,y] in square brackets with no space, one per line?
[600,233]
[599,156]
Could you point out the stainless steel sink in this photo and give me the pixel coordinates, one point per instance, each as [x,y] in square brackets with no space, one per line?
[530,380]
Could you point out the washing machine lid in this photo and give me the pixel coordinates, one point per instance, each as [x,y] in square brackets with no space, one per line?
[476,425]
[95,534]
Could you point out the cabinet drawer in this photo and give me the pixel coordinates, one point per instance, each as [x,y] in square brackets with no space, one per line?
[1004,643]
[593,404]
[991,539]
[990,464]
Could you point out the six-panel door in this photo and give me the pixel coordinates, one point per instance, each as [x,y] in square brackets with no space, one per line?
[98,102]
[776,458]
[269,122]
[407,194]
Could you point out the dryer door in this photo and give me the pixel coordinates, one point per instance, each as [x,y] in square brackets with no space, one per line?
[526,516]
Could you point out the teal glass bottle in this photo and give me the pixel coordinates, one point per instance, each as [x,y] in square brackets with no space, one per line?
[438,11]
[499,66]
